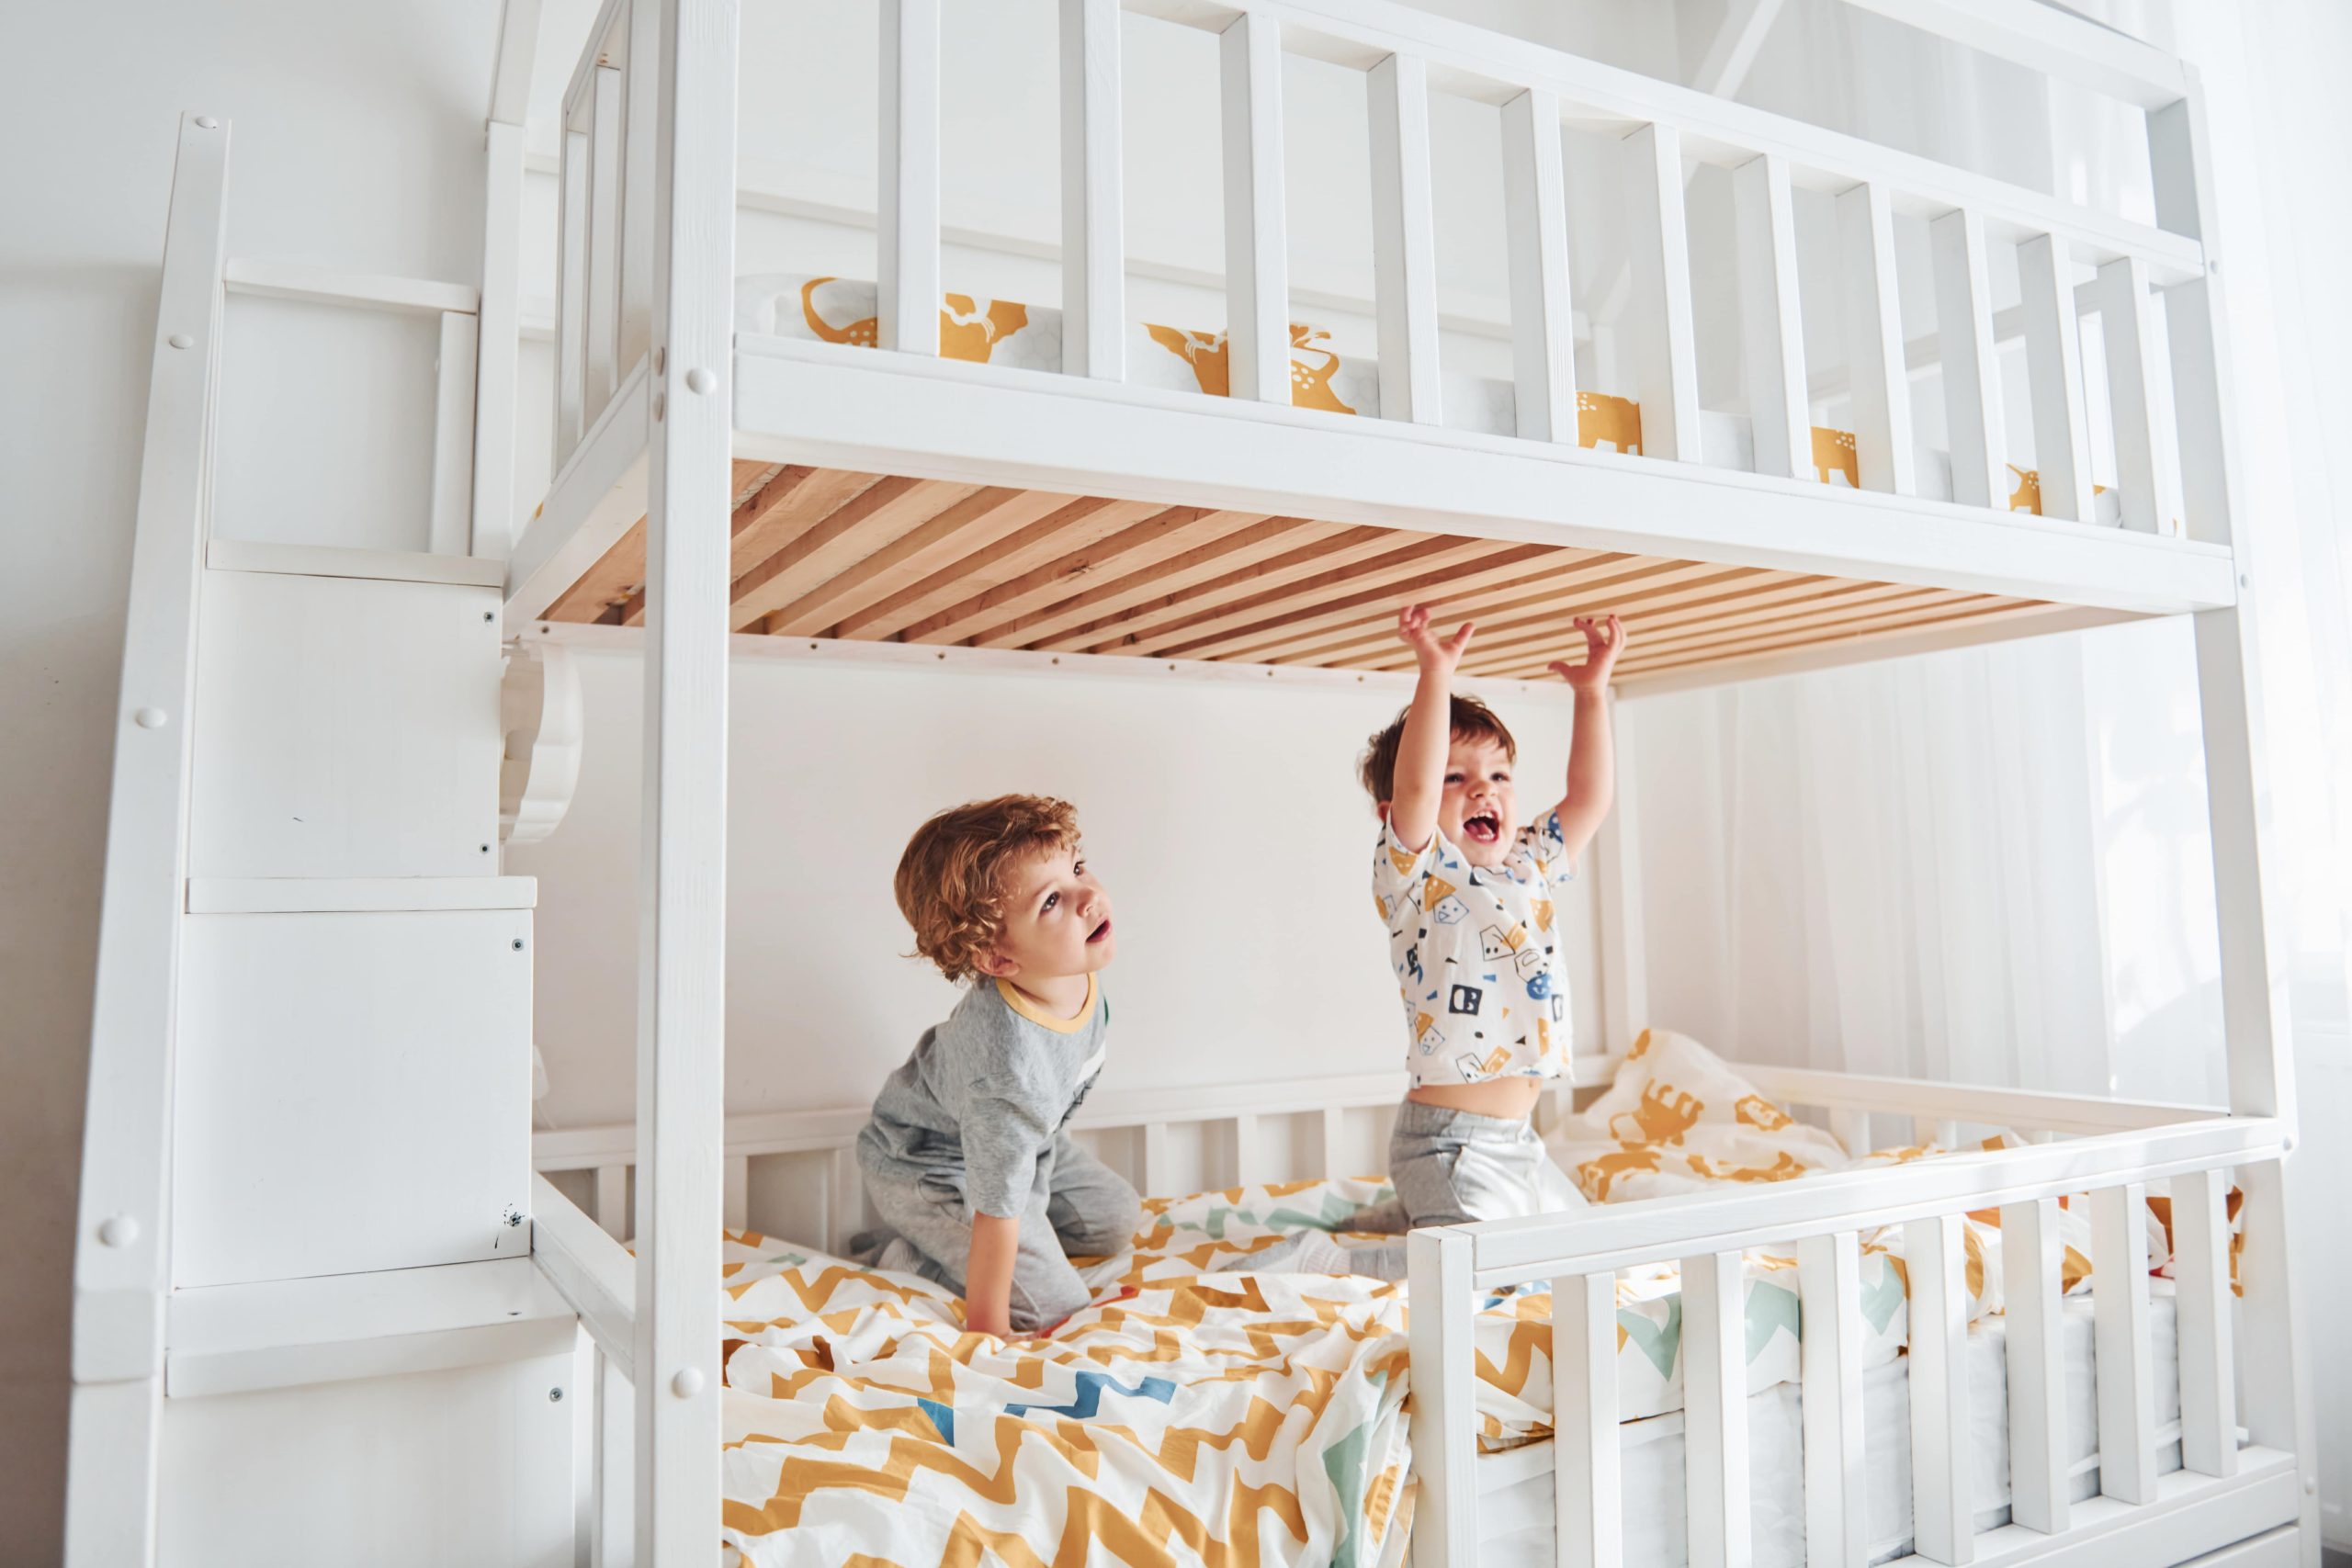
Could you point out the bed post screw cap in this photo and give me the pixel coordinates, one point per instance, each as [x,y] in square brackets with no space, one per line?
[118,1230]
[181,339]
[687,1382]
[699,379]
[208,122]
[150,718]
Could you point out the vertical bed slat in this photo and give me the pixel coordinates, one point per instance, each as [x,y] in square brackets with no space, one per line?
[1257,252]
[1095,283]
[612,1201]
[1445,1389]
[2032,1258]
[2143,466]
[1882,383]
[642,125]
[907,279]
[497,353]
[1934,1254]
[736,1203]
[1851,1128]
[2125,1353]
[1714,1404]
[2196,410]
[453,437]
[2200,1254]
[1972,371]
[602,283]
[1837,1515]
[571,300]
[1157,1177]
[1624,954]
[1543,322]
[1249,1151]
[2053,358]
[1403,239]
[1771,324]
[1588,1499]
[1665,355]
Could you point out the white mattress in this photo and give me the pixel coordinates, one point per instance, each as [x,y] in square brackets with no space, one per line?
[1515,1502]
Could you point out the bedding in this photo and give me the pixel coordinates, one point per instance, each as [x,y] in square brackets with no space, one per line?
[1029,337]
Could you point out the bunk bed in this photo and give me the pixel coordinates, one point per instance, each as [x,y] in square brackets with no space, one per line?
[891,487]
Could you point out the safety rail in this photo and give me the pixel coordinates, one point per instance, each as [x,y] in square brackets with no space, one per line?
[1707,1235]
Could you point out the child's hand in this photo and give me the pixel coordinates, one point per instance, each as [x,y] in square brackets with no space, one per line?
[1435,656]
[1603,641]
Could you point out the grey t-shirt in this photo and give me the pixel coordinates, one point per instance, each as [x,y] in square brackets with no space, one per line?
[983,1097]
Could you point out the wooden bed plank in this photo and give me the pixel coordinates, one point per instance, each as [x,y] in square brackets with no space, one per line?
[618,575]
[1200,564]
[1277,634]
[1987,611]
[875,517]
[1071,527]
[1539,610]
[1316,555]
[973,523]
[1142,546]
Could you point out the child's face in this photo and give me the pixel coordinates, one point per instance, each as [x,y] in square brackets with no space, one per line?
[1479,810]
[1056,920]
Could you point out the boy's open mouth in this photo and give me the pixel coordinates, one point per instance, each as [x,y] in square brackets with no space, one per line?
[1483,827]
[1099,932]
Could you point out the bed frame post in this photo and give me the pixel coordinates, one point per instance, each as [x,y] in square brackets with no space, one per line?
[122,1252]
[1257,254]
[2274,1405]
[498,339]
[681,961]
[1095,283]
[906,257]
[1624,971]
[1439,1264]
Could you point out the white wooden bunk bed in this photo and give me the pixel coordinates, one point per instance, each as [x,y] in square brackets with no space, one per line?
[889,501]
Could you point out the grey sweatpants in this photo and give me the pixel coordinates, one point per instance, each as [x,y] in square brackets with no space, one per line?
[1089,1209]
[1451,1167]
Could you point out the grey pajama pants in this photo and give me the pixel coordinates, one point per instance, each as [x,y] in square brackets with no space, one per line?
[1087,1210]
[1451,1167]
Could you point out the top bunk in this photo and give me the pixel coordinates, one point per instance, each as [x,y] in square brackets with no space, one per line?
[917,463]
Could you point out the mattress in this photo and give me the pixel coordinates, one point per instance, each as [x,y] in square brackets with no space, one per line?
[1009,333]
[1516,1500]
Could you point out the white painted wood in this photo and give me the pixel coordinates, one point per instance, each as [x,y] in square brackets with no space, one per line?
[1980,474]
[1965,1102]
[640,130]
[331,1113]
[1624,963]
[338,286]
[119,1290]
[1942,1482]
[1771,325]
[313,894]
[451,528]
[2127,1414]
[588,1265]
[1587,1493]
[736,1205]
[1445,1384]
[2197,408]
[1542,316]
[1257,249]
[338,560]
[820,404]
[2032,1258]
[350,729]
[1327,1149]
[615,1532]
[510,77]
[2175,132]
[1731,52]
[2200,1253]
[1851,1128]
[2053,357]
[1093,238]
[493,518]
[907,282]
[682,963]
[601,279]
[1882,385]
[1714,1411]
[2253,981]
[1249,1151]
[2061,43]
[2273,1402]
[1837,1499]
[587,1463]
[571,300]
[1158,1173]
[612,1201]
[1403,239]
[597,494]
[1665,377]
[2147,478]
[388,1322]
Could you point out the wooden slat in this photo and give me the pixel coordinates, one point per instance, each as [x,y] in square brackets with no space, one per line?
[1880,381]
[1445,1389]
[906,257]
[2033,1259]
[619,577]
[601,287]
[1942,1486]
[1972,372]
[1771,327]
[1667,599]
[1862,606]
[1270,640]
[1587,1496]
[1413,564]
[1095,311]
[1403,239]
[1699,648]
[1202,563]
[2145,477]
[1665,349]
[972,524]
[1714,1411]
[1257,255]
[789,504]
[2200,1255]
[1071,527]
[877,515]
[2124,1349]
[1837,1510]
[571,298]
[1141,546]
[2196,407]
[1310,558]
[2053,358]
[1536,216]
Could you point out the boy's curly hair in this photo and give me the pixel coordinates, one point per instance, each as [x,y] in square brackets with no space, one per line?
[950,880]
[1471,720]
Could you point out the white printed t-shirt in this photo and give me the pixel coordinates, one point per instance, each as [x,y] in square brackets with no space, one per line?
[1477,954]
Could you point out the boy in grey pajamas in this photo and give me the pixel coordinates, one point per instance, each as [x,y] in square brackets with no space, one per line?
[967,1158]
